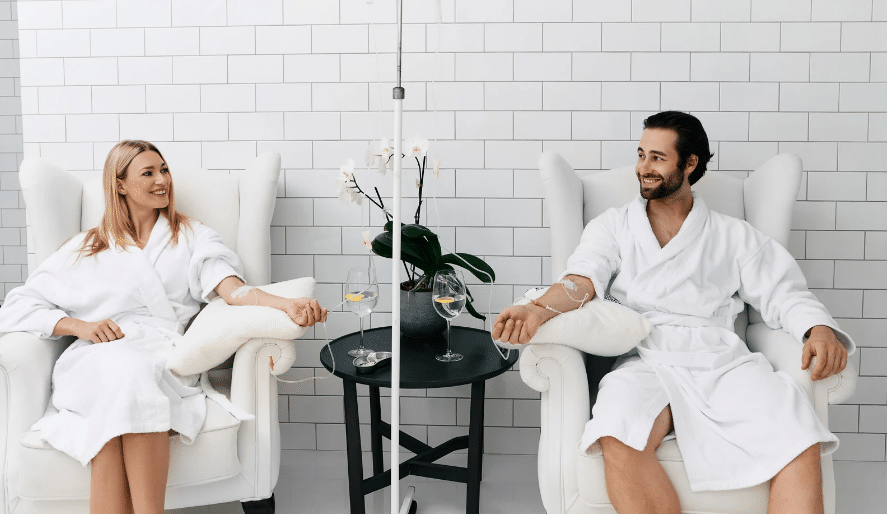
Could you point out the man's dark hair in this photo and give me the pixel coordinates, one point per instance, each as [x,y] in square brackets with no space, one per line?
[692,139]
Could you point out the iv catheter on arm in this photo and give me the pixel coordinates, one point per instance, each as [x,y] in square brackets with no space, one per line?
[518,324]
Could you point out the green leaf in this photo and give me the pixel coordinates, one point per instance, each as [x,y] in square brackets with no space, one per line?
[470,308]
[382,246]
[475,265]
[430,238]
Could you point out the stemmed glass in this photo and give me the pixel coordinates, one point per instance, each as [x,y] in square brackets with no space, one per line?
[361,293]
[448,296]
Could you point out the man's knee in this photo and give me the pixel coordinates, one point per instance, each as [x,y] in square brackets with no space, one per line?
[616,452]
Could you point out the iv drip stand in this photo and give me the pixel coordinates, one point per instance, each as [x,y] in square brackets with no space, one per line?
[398,95]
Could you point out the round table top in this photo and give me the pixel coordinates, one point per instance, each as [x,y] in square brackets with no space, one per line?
[418,367]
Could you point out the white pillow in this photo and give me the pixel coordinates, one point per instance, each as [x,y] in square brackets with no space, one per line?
[600,327]
[220,329]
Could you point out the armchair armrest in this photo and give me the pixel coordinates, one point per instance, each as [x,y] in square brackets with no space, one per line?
[784,353]
[254,390]
[558,372]
[26,364]
[253,360]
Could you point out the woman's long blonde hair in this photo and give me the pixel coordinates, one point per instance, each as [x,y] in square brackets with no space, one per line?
[116,221]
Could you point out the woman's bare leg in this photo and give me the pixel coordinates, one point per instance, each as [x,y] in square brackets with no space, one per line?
[636,482]
[147,465]
[108,489]
[798,487]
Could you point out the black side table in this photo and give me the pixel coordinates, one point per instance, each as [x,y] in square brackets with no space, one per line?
[419,370]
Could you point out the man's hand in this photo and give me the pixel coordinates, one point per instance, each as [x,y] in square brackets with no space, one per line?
[518,324]
[831,356]
[98,332]
[304,312]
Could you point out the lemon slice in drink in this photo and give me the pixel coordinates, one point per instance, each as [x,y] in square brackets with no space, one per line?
[445,299]
[354,297]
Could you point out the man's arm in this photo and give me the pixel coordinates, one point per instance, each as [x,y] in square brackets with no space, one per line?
[518,324]
[831,356]
[780,294]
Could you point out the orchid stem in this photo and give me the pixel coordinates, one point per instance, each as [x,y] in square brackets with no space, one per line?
[381,205]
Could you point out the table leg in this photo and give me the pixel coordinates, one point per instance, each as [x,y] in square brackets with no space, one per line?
[355,459]
[475,447]
[375,433]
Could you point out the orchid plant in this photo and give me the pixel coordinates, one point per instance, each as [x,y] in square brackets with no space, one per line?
[420,247]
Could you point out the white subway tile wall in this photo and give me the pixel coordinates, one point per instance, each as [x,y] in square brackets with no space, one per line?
[214,82]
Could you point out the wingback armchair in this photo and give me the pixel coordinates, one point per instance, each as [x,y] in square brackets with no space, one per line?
[230,460]
[573,482]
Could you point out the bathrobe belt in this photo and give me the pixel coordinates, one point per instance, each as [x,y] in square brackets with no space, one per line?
[716,357]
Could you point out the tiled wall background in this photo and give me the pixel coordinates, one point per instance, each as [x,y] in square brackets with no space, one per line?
[213,82]
[13,260]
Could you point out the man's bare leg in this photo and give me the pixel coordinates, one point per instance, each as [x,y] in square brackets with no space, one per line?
[147,466]
[108,490]
[798,487]
[636,482]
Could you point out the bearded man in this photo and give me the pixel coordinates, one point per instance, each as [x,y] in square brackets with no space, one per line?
[691,271]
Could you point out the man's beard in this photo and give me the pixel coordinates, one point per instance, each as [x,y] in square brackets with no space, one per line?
[665,187]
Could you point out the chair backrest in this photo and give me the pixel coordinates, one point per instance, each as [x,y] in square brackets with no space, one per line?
[60,204]
[615,188]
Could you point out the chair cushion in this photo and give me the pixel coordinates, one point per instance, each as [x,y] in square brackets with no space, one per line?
[220,329]
[212,457]
[593,492]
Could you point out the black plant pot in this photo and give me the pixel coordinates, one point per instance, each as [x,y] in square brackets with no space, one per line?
[418,319]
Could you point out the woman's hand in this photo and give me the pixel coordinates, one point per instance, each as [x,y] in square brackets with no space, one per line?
[304,312]
[98,332]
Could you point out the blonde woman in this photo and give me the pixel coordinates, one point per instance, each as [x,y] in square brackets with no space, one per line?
[126,289]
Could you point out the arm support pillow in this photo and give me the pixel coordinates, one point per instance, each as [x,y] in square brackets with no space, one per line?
[600,327]
[220,329]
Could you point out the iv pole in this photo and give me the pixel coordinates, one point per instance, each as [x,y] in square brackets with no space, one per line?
[398,95]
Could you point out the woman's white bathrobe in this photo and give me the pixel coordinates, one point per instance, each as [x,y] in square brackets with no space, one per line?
[101,391]
[737,422]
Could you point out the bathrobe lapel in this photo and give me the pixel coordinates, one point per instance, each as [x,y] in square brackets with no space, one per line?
[655,256]
[139,264]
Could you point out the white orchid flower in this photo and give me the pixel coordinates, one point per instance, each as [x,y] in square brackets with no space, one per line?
[345,184]
[378,155]
[418,184]
[347,166]
[416,147]
[366,239]
[385,150]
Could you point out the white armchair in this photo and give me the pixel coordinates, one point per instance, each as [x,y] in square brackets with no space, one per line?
[571,481]
[229,460]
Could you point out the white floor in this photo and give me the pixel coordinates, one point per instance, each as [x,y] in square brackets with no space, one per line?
[316,483]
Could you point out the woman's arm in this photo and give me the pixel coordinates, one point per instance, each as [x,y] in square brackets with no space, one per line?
[303,311]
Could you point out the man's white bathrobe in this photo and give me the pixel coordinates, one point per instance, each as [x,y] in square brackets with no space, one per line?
[101,391]
[737,422]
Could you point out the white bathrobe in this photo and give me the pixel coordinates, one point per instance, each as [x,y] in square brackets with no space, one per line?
[101,391]
[737,422]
